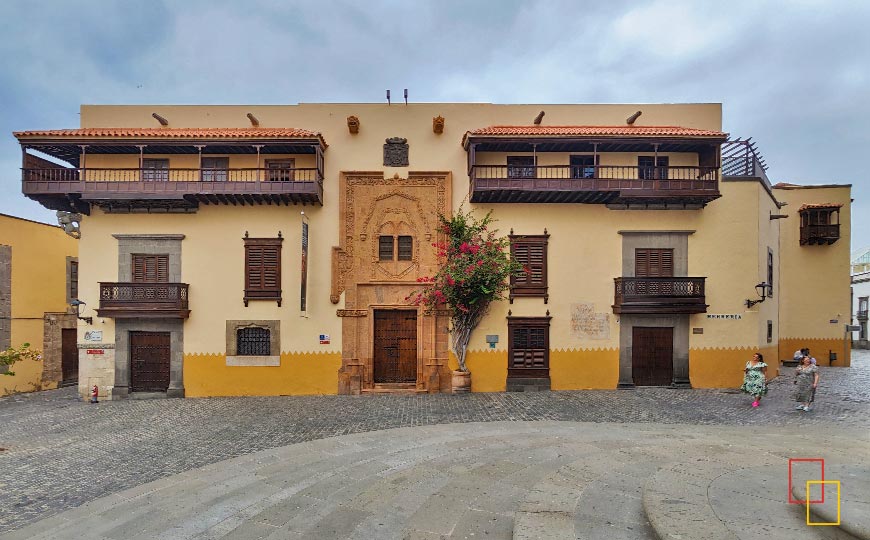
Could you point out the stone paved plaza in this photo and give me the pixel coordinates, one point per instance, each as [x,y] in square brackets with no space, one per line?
[592,446]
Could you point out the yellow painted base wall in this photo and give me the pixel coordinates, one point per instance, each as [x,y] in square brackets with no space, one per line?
[819,349]
[584,369]
[569,369]
[207,375]
[723,368]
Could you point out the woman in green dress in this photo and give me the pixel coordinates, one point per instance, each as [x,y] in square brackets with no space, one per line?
[807,380]
[755,378]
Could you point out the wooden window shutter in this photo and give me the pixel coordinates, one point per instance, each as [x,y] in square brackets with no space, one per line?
[531,252]
[73,280]
[653,262]
[150,268]
[263,269]
[385,248]
[529,346]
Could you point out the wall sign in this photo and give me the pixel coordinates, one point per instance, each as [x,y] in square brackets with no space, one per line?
[732,316]
[324,339]
[95,351]
[94,335]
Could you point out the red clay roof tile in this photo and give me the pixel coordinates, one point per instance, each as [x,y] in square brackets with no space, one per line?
[819,205]
[173,133]
[607,131]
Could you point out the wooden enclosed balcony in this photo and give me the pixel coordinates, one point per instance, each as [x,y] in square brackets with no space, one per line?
[171,169]
[820,234]
[605,184]
[623,166]
[663,295]
[59,188]
[143,300]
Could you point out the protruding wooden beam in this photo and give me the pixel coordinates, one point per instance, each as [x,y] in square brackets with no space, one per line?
[539,118]
[253,119]
[163,121]
[630,120]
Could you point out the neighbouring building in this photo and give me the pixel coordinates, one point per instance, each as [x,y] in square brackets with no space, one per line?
[266,250]
[38,280]
[860,303]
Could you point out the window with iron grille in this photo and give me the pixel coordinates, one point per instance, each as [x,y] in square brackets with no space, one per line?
[531,252]
[253,341]
[770,331]
[385,248]
[406,248]
[149,268]
[263,269]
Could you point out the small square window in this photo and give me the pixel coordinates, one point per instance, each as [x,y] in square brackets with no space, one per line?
[253,341]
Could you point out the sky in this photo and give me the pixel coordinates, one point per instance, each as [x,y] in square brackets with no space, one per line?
[793,75]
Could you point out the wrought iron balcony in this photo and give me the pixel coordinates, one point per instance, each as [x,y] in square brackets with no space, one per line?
[820,234]
[74,189]
[144,300]
[603,184]
[638,295]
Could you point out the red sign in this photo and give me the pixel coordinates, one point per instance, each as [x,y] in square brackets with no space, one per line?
[95,351]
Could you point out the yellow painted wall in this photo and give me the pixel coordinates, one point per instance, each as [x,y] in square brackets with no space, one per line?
[39,253]
[817,277]
[299,374]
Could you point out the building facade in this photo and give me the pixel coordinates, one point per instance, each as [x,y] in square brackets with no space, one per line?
[38,280]
[266,250]
[860,304]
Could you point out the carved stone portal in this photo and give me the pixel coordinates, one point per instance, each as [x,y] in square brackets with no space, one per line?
[396,152]
[372,207]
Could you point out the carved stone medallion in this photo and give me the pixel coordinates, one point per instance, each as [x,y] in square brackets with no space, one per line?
[396,152]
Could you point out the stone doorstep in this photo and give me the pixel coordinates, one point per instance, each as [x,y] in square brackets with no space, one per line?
[518,384]
[857,522]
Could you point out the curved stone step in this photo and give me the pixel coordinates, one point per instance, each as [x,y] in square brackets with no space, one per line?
[854,500]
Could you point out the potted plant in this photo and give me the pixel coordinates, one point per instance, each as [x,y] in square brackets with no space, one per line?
[473,273]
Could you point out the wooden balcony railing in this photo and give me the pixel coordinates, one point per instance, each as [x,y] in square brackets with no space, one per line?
[820,234]
[659,295]
[597,184]
[55,187]
[122,300]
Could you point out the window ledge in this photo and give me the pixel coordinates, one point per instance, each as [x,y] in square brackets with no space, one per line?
[254,361]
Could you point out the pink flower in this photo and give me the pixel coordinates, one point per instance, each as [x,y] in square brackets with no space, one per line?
[464,248]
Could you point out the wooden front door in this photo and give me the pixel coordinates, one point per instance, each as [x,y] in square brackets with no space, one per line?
[395,354]
[652,356]
[69,356]
[149,361]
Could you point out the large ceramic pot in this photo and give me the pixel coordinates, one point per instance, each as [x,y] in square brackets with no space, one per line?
[461,382]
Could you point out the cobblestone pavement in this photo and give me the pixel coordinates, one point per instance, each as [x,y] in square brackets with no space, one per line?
[60,452]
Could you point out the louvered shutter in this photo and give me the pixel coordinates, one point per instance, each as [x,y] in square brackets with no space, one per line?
[150,268]
[531,252]
[653,262]
[406,248]
[263,269]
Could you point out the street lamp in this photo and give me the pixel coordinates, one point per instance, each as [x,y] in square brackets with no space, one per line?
[76,303]
[764,290]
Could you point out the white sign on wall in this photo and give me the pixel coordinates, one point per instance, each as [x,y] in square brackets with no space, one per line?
[94,335]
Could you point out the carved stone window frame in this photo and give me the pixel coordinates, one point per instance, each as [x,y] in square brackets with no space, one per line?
[234,359]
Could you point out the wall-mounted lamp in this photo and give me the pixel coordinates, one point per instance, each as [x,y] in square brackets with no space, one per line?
[764,290]
[76,303]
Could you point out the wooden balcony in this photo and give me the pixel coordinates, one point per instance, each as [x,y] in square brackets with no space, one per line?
[616,185]
[143,300]
[820,234]
[659,295]
[169,190]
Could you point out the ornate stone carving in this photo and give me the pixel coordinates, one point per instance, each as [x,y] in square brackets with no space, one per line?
[370,206]
[353,124]
[438,124]
[396,152]
[69,222]
[351,313]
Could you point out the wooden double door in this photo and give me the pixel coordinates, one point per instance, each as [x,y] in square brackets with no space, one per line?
[395,346]
[149,361]
[652,356]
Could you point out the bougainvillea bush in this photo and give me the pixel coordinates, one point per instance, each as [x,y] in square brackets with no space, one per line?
[474,272]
